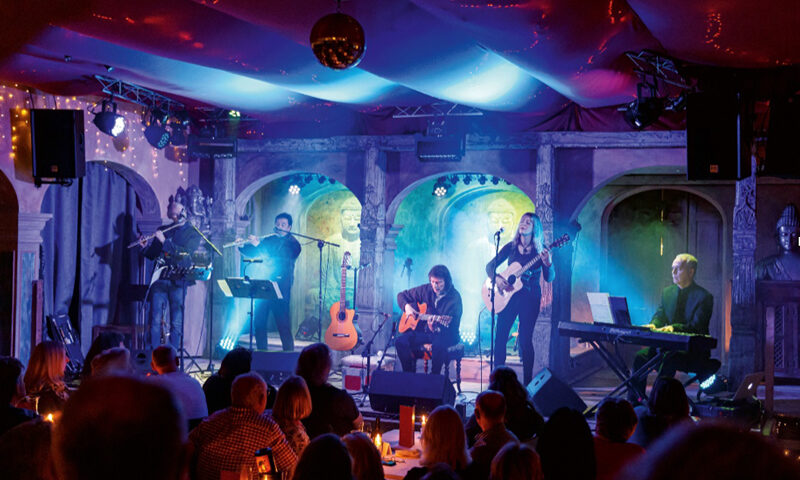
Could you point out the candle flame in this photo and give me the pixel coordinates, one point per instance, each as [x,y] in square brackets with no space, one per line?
[49,417]
[378,441]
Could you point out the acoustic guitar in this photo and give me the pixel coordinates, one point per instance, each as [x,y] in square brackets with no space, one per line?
[512,275]
[409,322]
[341,334]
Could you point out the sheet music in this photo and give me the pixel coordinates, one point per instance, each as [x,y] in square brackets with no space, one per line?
[601,310]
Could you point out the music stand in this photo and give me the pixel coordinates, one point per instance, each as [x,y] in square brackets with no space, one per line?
[238,287]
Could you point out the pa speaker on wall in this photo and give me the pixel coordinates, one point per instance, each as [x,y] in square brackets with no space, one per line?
[57,145]
[549,394]
[389,390]
[782,146]
[717,137]
[275,367]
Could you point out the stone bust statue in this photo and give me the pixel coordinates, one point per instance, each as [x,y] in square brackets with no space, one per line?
[786,264]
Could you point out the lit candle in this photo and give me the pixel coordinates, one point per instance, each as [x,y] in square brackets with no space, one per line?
[378,441]
[49,418]
[423,420]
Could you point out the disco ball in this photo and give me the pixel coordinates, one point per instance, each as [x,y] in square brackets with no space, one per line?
[338,41]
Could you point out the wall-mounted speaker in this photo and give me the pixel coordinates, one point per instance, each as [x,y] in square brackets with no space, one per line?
[718,135]
[57,145]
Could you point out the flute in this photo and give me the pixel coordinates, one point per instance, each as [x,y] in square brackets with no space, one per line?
[143,240]
[241,241]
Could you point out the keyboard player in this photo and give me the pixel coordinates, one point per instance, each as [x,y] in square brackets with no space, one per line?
[685,308]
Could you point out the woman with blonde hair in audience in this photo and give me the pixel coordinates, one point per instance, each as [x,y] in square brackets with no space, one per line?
[366,458]
[44,378]
[293,404]
[443,441]
[516,462]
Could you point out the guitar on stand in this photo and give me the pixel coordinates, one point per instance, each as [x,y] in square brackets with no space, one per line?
[512,275]
[341,335]
[433,322]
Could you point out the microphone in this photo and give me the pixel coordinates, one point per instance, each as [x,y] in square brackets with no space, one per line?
[499,232]
[252,260]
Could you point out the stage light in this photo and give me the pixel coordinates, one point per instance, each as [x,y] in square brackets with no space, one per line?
[495,180]
[482,180]
[331,181]
[109,122]
[294,189]
[321,179]
[178,136]
[235,114]
[155,132]
[227,343]
[645,110]
[440,190]
[467,179]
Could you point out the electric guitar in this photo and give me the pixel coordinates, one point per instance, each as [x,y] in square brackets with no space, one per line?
[512,275]
[341,334]
[409,322]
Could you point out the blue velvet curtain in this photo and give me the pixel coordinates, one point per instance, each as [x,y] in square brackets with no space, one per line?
[85,260]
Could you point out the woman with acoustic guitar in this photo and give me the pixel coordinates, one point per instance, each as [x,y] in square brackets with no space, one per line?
[526,246]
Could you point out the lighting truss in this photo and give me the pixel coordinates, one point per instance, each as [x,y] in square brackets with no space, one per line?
[139,95]
[659,67]
[439,109]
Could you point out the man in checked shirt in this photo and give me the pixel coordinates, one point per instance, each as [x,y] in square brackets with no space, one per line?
[226,441]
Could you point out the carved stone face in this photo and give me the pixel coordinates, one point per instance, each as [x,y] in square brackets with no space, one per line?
[788,238]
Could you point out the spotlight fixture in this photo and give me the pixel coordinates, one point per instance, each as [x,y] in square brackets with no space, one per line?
[179,124]
[337,40]
[155,132]
[294,189]
[235,114]
[440,190]
[467,179]
[482,180]
[495,180]
[321,179]
[108,121]
[227,343]
[645,110]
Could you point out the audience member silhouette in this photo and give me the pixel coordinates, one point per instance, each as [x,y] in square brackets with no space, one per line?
[186,389]
[441,471]
[522,419]
[332,410]
[443,441]
[516,462]
[103,341]
[121,428]
[113,361]
[712,450]
[667,406]
[325,458]
[226,441]
[566,447]
[218,386]
[490,410]
[615,423]
[366,458]
[25,452]
[44,378]
[12,390]
[292,405]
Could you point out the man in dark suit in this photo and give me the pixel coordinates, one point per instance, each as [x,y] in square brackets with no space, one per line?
[685,308]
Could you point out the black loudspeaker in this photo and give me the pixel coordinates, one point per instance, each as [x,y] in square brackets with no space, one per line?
[717,137]
[275,367]
[57,145]
[389,390]
[549,394]
[782,148]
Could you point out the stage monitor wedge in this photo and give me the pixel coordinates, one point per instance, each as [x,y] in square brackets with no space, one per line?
[549,394]
[389,390]
[718,136]
[57,145]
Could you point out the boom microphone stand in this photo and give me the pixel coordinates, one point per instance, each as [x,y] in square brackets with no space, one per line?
[367,352]
[320,245]
[491,296]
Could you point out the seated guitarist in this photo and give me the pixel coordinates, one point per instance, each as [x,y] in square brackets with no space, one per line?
[441,298]
[527,243]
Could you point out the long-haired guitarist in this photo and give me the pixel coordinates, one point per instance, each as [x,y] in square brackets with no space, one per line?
[524,247]
[438,325]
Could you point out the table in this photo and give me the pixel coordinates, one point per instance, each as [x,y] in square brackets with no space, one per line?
[398,471]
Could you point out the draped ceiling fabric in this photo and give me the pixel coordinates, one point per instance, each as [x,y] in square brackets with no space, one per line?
[83,246]
[536,64]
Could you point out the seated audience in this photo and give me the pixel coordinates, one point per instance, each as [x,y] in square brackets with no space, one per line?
[616,422]
[366,458]
[666,407]
[227,440]
[25,452]
[713,450]
[186,389]
[218,386]
[103,341]
[441,471]
[292,405]
[522,419]
[443,441]
[566,447]
[113,361]
[325,458]
[44,378]
[332,410]
[121,428]
[12,390]
[516,462]
[490,411]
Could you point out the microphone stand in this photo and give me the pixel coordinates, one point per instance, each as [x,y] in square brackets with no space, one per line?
[320,245]
[491,297]
[367,352]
